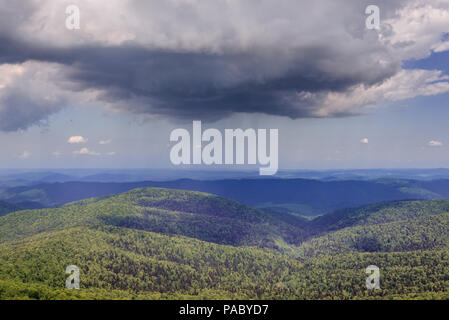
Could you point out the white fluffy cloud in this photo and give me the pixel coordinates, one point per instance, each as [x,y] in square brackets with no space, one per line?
[103,142]
[77,139]
[86,151]
[417,28]
[434,143]
[406,84]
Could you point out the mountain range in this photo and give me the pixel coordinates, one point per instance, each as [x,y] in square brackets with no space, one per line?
[303,197]
[157,243]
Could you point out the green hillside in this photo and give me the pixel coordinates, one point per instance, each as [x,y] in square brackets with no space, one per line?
[154,243]
[379,213]
[422,233]
[404,275]
[118,263]
[193,214]
[129,263]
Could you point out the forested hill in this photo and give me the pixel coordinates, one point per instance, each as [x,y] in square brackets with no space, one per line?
[188,213]
[153,243]
[378,213]
[299,196]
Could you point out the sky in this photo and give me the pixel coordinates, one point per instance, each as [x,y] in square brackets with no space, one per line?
[107,95]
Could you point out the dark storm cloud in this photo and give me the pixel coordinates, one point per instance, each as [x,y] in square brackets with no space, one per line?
[193,60]
[196,85]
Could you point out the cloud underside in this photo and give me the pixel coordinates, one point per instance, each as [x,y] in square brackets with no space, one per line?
[197,60]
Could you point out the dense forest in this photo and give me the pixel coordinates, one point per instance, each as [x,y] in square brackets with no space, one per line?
[153,243]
